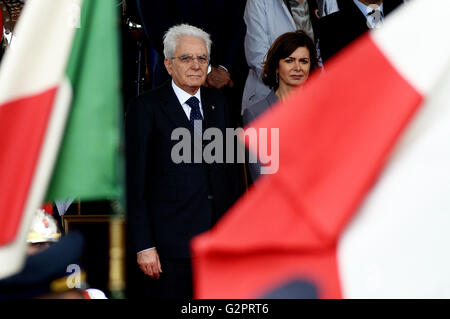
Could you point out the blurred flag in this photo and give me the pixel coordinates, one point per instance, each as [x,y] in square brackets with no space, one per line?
[360,206]
[89,163]
[52,76]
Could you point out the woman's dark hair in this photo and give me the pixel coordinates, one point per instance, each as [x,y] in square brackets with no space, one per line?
[281,48]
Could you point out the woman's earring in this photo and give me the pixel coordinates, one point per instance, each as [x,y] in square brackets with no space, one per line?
[277,79]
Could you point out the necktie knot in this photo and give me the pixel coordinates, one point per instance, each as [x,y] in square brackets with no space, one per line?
[196,116]
[193,102]
[376,12]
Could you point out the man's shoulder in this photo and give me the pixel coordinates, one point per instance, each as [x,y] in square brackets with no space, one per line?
[158,92]
[153,96]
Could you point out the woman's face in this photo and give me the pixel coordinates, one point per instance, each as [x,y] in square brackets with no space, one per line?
[294,70]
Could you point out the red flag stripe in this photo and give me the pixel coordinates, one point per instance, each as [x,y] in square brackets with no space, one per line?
[23,138]
[254,275]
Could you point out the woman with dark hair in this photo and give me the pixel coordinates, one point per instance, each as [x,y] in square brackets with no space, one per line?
[288,64]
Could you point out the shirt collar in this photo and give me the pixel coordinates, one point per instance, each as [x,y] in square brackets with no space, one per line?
[365,9]
[183,96]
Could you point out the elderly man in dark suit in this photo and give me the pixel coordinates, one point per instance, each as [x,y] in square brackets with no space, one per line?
[171,201]
[223,20]
[352,19]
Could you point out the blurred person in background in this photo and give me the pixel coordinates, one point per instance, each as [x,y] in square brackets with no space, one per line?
[349,20]
[52,268]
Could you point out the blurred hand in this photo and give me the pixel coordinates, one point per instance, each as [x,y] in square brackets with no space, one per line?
[149,263]
[218,78]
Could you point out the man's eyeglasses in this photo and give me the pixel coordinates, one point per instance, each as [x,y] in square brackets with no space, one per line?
[189,59]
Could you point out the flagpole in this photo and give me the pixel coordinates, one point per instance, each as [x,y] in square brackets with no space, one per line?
[117,256]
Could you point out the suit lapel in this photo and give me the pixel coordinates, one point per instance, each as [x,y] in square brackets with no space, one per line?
[209,110]
[172,108]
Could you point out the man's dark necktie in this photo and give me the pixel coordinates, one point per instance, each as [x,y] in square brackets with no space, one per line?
[377,16]
[195,117]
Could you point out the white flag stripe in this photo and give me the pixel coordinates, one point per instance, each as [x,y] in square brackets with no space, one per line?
[414,39]
[44,36]
[396,245]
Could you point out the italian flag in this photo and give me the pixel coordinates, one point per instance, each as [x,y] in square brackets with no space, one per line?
[360,207]
[59,114]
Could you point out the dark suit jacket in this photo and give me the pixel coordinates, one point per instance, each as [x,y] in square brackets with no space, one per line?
[170,203]
[222,19]
[339,29]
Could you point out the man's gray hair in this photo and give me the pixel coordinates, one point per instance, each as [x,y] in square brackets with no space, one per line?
[172,36]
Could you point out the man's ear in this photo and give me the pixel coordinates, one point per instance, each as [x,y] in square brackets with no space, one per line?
[168,65]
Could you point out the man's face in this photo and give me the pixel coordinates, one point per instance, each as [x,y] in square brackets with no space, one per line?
[188,74]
